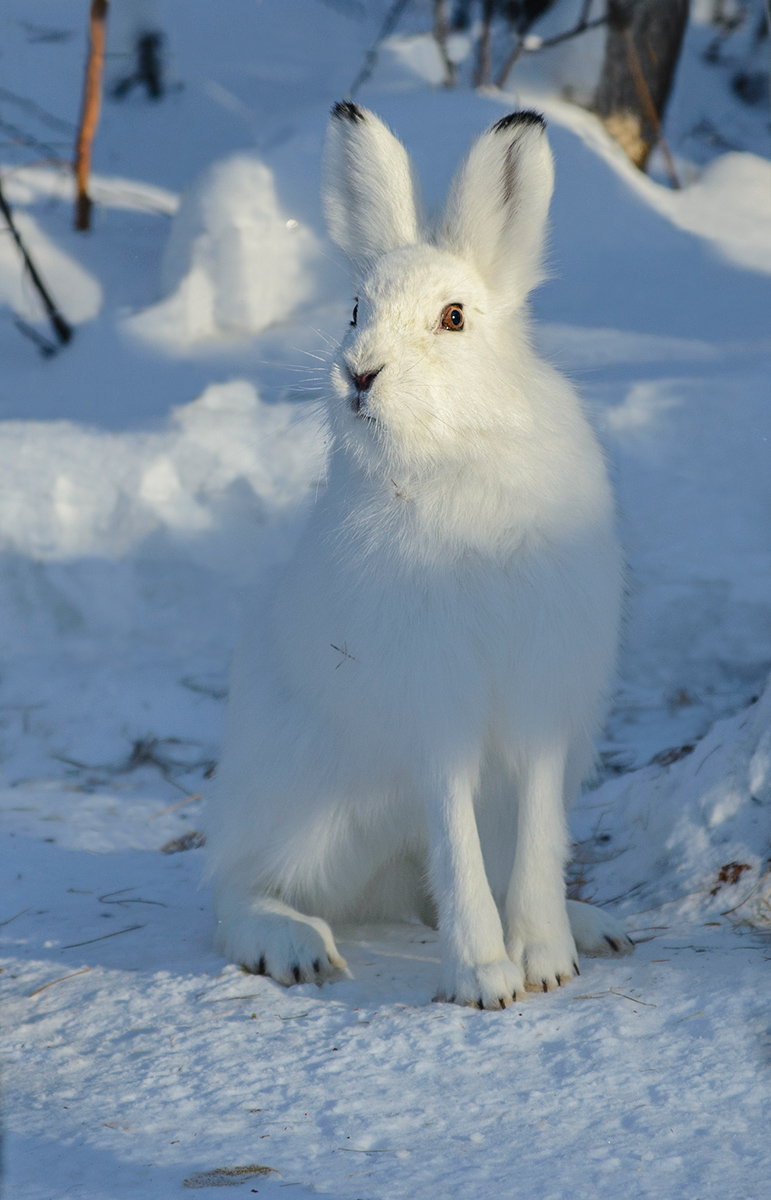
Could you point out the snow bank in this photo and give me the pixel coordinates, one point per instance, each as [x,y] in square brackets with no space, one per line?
[74,491]
[30,185]
[728,204]
[235,262]
[697,823]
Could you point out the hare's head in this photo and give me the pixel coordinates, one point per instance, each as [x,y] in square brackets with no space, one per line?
[424,368]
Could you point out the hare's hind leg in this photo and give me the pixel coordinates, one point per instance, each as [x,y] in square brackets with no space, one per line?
[268,937]
[596,932]
[539,937]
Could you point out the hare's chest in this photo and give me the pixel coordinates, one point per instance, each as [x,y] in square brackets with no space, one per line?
[377,647]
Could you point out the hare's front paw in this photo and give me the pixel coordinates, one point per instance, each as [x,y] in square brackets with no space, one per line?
[548,957]
[495,984]
[597,932]
[288,946]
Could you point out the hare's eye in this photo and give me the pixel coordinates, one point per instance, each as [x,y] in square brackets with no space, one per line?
[452,317]
[355,313]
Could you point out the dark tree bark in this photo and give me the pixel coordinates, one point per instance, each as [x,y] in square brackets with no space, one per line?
[641,53]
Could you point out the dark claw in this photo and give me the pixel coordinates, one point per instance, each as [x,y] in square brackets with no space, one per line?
[261,965]
[545,985]
[317,965]
[612,943]
[452,999]
[559,981]
[575,968]
[296,973]
[481,1002]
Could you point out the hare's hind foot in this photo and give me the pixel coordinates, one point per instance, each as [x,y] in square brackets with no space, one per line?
[596,932]
[267,937]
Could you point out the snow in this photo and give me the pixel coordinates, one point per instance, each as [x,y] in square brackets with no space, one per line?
[155,469]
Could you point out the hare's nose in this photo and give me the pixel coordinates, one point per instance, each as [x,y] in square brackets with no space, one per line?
[364,382]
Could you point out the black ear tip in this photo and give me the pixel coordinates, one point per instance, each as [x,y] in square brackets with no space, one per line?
[525,117]
[346,110]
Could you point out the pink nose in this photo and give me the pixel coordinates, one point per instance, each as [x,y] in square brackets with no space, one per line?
[364,382]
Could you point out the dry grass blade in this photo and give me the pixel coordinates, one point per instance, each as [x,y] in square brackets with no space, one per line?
[103,938]
[226,1176]
[61,979]
[177,804]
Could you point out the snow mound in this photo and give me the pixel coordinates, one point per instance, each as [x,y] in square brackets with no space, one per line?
[235,262]
[72,491]
[698,821]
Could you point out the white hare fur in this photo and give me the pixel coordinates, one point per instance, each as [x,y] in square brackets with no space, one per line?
[414,706]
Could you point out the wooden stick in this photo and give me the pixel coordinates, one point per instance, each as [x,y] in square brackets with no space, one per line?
[89,117]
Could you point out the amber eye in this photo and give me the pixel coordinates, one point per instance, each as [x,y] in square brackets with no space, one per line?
[452,317]
[355,313]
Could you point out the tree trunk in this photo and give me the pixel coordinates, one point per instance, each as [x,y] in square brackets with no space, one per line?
[483,75]
[641,52]
[89,117]
[441,32]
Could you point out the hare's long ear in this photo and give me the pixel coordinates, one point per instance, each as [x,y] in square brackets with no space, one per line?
[367,189]
[498,205]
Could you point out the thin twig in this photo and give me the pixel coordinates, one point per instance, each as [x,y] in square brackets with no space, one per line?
[8,920]
[107,898]
[26,139]
[370,58]
[747,897]
[61,979]
[36,110]
[624,996]
[103,938]
[582,27]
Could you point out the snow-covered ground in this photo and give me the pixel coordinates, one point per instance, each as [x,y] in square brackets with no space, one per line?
[160,464]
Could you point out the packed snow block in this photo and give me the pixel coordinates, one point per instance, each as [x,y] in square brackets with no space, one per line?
[235,262]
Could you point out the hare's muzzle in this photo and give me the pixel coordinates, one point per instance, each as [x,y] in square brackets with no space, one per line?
[362,383]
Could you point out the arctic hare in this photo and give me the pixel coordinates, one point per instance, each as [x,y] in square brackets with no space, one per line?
[414,706]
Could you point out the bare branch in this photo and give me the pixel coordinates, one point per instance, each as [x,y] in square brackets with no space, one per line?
[62,329]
